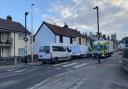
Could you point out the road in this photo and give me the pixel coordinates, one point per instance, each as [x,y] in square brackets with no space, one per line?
[77,74]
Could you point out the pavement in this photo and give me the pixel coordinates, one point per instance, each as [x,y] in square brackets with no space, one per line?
[19,65]
[77,74]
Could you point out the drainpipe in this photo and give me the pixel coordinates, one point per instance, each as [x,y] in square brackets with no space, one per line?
[15,59]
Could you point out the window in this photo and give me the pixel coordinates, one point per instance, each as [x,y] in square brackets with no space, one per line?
[21,51]
[45,49]
[58,48]
[71,40]
[79,40]
[21,35]
[61,39]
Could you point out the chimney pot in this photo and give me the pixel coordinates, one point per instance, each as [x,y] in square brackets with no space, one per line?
[65,25]
[9,18]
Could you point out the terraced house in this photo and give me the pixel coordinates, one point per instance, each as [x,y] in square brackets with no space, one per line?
[12,36]
[51,33]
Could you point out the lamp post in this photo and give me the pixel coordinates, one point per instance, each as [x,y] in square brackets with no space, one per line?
[25,38]
[98,34]
[97,9]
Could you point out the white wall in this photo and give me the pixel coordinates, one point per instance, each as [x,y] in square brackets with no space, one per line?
[19,43]
[43,37]
[66,40]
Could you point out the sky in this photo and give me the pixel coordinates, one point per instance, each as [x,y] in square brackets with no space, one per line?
[78,14]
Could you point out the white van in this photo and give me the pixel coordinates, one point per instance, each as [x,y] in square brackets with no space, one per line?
[53,53]
[84,51]
[75,50]
[79,50]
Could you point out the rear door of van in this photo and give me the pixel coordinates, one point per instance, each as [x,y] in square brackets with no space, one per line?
[44,52]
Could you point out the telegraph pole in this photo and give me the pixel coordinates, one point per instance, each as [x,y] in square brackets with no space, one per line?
[98,34]
[32,32]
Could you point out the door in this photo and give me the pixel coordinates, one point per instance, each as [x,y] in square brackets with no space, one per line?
[59,52]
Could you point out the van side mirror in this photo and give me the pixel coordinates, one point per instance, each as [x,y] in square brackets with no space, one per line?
[68,49]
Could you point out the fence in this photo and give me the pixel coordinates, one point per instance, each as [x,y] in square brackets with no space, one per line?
[20,59]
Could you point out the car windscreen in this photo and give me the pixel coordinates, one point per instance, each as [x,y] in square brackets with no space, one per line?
[45,49]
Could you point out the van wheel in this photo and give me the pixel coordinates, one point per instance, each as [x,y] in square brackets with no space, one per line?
[43,62]
[71,58]
[55,60]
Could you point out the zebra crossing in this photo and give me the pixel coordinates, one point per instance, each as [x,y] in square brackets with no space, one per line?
[71,65]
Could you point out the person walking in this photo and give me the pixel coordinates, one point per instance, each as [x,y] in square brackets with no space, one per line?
[26,60]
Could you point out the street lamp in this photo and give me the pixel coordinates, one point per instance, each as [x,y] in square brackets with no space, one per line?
[25,38]
[98,34]
[97,20]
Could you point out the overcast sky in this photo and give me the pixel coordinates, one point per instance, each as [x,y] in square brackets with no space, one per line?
[78,14]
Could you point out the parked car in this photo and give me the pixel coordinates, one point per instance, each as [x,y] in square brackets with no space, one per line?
[53,53]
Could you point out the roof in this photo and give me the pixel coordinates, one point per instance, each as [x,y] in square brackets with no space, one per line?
[64,31]
[6,25]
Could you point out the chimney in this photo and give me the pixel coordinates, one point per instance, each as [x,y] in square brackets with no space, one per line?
[65,25]
[9,18]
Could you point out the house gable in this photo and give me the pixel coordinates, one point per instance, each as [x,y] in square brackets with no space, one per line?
[43,37]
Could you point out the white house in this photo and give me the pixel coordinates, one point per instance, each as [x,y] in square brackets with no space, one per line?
[12,36]
[49,33]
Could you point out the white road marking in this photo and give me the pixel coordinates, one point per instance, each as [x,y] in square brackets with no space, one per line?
[33,66]
[8,83]
[81,65]
[11,70]
[38,85]
[69,65]
[8,75]
[119,61]
[68,69]
[58,68]
[54,81]
[77,85]
[61,74]
[60,64]
[21,70]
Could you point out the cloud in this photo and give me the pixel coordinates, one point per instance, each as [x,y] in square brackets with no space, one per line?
[80,14]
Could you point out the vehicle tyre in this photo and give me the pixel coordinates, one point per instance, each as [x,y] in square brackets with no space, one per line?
[71,58]
[55,60]
[80,57]
[42,62]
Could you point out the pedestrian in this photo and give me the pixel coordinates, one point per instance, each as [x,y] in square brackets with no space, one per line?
[26,60]
[99,58]
[99,55]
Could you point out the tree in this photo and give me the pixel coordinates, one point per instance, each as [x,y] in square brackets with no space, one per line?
[104,36]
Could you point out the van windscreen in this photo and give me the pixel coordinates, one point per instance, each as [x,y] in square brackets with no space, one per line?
[45,49]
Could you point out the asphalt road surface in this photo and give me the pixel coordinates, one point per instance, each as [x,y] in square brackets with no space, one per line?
[77,74]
